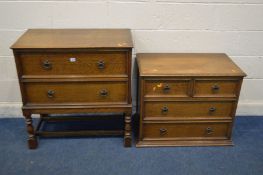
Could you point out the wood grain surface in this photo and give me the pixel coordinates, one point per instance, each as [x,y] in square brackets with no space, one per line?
[187,64]
[74,38]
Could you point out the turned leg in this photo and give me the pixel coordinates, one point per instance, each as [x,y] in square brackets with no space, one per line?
[32,140]
[127,132]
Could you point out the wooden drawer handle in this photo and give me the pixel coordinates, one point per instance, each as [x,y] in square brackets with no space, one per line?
[50,93]
[46,65]
[101,64]
[104,92]
[215,87]
[164,109]
[163,131]
[212,109]
[209,130]
[166,88]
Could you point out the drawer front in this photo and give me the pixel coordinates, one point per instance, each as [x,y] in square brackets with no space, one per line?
[89,63]
[167,88]
[76,92]
[215,88]
[190,109]
[181,130]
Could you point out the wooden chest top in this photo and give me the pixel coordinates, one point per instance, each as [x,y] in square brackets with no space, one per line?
[187,64]
[74,38]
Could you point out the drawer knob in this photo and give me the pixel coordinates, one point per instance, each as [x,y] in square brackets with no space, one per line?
[215,87]
[164,109]
[103,93]
[163,131]
[166,88]
[209,130]
[212,109]
[50,93]
[47,65]
[101,64]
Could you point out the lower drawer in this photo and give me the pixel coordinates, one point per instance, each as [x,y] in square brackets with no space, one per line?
[173,131]
[76,92]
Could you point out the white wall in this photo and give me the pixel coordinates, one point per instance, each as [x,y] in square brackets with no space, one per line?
[231,26]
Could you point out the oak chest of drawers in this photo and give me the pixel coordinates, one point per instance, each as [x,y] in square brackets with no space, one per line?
[187,99]
[68,71]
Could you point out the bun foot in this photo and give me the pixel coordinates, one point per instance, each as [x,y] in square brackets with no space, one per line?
[32,143]
[127,141]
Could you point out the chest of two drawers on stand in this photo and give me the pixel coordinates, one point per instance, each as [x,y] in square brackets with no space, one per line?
[71,71]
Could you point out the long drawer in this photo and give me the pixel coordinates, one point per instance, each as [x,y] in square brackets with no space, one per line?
[75,63]
[76,92]
[188,109]
[175,131]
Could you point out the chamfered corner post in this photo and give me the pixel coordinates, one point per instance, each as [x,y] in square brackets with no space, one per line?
[127,131]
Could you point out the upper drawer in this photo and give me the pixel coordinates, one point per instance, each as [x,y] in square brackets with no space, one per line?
[76,92]
[215,88]
[167,88]
[77,63]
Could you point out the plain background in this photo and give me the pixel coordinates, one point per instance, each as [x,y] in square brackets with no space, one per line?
[234,27]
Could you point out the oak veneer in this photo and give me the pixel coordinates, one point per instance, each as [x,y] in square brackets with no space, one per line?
[72,71]
[184,109]
[187,99]
[77,92]
[74,39]
[185,64]
[187,131]
[163,88]
[90,63]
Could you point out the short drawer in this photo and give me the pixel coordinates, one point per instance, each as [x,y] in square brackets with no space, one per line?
[185,130]
[215,88]
[75,63]
[167,88]
[188,109]
[76,92]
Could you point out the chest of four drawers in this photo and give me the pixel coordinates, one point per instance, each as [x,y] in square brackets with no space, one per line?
[182,110]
